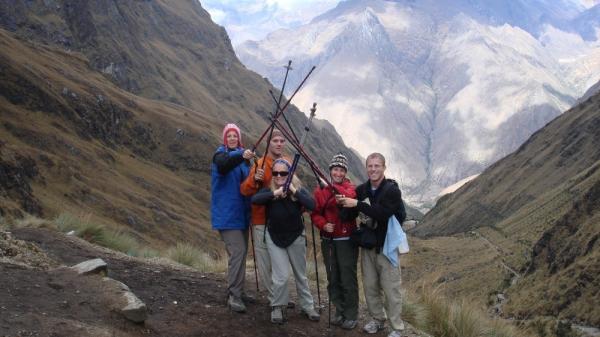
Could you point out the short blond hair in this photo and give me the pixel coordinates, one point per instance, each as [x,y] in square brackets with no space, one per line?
[375,155]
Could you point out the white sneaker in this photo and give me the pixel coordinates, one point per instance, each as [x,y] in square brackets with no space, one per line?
[398,332]
[395,333]
[373,326]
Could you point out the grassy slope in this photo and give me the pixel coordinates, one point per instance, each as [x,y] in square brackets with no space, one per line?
[119,178]
[94,131]
[536,214]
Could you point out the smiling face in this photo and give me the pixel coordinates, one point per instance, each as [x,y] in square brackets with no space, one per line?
[232,139]
[276,146]
[337,174]
[375,170]
[280,173]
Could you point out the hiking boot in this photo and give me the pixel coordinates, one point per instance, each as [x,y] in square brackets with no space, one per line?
[373,326]
[248,299]
[349,324]
[236,304]
[277,315]
[312,314]
[337,320]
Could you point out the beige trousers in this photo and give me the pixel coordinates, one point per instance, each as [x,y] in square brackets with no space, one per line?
[381,285]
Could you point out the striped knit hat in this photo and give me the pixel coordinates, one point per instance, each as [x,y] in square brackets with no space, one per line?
[339,160]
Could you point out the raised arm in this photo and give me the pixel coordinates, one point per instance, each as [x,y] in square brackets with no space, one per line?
[263,197]
[227,161]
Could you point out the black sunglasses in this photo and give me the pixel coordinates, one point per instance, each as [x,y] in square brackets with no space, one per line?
[280,173]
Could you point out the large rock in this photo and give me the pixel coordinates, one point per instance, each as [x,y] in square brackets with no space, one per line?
[126,302]
[95,266]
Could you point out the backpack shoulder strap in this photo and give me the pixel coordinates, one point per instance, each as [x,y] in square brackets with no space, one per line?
[401,212]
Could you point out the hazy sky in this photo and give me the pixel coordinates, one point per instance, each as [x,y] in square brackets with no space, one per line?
[253,19]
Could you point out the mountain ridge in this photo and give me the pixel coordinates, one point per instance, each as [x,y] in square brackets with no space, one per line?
[462,91]
[121,124]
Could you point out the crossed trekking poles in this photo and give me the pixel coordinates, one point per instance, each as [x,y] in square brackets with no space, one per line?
[289,134]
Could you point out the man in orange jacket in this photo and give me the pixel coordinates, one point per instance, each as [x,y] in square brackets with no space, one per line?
[260,176]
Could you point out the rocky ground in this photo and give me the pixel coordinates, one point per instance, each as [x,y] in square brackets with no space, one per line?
[40,297]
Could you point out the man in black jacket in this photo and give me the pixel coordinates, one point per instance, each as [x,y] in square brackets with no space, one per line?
[377,200]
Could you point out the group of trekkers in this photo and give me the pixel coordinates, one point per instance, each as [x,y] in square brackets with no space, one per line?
[255,197]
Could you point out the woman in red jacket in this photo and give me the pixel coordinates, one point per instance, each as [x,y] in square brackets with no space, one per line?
[340,255]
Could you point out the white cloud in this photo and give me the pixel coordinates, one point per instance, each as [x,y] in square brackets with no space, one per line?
[254,19]
[589,3]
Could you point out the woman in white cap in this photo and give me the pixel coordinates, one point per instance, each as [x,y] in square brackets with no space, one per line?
[230,210]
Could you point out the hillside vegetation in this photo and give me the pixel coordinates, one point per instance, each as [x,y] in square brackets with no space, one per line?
[114,109]
[528,226]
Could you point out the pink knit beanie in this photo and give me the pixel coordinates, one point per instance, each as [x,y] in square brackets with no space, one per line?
[235,128]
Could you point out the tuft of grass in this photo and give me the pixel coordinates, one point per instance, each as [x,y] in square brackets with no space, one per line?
[208,264]
[499,328]
[439,316]
[185,254]
[97,233]
[119,241]
[466,320]
[148,253]
[31,221]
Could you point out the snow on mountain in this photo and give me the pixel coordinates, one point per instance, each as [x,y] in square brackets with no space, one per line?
[442,88]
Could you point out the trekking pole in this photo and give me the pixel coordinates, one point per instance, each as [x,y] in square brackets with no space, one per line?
[288,181]
[282,109]
[311,163]
[277,103]
[287,185]
[330,253]
[287,122]
[312,227]
[254,258]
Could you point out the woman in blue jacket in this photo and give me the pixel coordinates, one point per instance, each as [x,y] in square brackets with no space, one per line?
[230,210]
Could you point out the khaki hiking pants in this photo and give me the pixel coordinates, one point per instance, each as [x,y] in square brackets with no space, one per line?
[263,260]
[378,276]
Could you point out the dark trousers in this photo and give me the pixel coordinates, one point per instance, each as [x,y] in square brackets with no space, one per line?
[340,257]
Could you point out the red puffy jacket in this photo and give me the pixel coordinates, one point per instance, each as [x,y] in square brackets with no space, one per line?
[326,210]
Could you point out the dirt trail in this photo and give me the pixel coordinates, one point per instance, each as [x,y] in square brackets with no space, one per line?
[181,301]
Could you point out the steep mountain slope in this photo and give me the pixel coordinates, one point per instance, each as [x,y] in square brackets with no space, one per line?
[539,207]
[445,88]
[114,109]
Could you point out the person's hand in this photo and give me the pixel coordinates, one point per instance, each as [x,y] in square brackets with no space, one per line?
[278,193]
[329,227]
[292,188]
[259,175]
[248,154]
[348,202]
[338,198]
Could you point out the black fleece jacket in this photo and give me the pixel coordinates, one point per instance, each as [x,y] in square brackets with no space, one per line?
[381,206]
[284,216]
